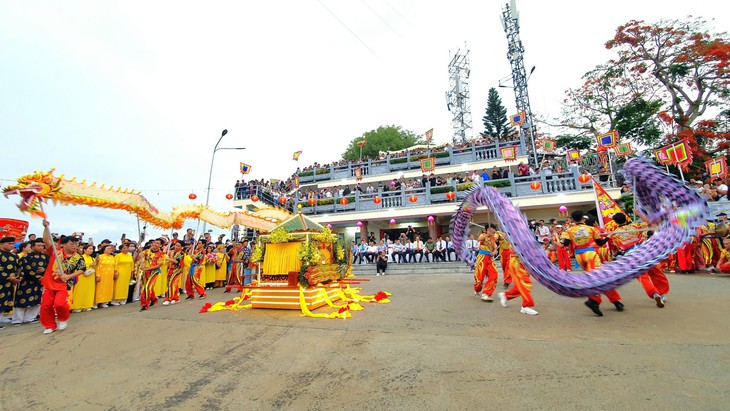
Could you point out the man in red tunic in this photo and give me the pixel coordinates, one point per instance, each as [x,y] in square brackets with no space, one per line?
[65,266]
[152,260]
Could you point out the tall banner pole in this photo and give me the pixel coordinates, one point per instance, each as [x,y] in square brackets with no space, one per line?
[599,215]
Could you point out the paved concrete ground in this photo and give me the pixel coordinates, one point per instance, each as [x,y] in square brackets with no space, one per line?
[436,346]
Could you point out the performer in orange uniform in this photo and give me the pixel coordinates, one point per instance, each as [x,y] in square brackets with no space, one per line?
[504,257]
[522,286]
[54,302]
[561,250]
[604,253]
[585,239]
[485,265]
[152,260]
[174,271]
[625,238]
[193,281]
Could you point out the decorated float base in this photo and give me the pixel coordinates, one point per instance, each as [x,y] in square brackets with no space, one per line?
[304,299]
[287,298]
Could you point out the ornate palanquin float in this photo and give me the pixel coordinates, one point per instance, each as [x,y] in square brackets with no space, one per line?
[298,252]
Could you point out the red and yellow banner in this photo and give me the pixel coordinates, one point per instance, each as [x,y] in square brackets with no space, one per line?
[606,205]
[717,167]
[679,154]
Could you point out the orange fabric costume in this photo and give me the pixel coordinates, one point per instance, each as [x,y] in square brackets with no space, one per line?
[584,239]
[147,295]
[485,266]
[624,239]
[504,257]
[522,285]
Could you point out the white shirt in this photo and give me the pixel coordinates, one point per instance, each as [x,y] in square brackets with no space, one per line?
[543,232]
[441,245]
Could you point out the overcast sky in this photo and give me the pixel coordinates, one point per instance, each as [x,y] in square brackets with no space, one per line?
[136,93]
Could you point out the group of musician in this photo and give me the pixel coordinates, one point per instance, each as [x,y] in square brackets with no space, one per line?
[46,279]
[582,238]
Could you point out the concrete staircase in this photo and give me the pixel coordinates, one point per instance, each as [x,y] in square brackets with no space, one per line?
[453,267]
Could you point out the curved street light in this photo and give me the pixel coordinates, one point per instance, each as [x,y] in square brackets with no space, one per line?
[210,173]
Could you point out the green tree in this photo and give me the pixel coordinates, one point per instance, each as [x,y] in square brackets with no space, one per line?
[637,121]
[578,142]
[495,120]
[384,138]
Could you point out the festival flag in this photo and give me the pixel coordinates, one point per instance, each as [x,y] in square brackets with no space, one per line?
[429,136]
[679,153]
[428,165]
[574,155]
[717,167]
[296,181]
[606,205]
[661,156]
[623,150]
[358,173]
[361,143]
[296,155]
[508,153]
[245,168]
[549,145]
[608,140]
[517,119]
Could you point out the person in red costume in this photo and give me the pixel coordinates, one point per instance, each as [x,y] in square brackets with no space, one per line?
[561,251]
[64,265]
[626,237]
[585,239]
[522,286]
[484,266]
[152,260]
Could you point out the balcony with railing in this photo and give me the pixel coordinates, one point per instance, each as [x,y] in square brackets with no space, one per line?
[450,156]
[514,187]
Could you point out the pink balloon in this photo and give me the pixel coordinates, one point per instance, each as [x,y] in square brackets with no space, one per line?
[392,220]
[359,223]
[329,226]
[431,219]
[563,209]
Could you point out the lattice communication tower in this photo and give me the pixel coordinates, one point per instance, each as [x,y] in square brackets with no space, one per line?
[457,98]
[515,55]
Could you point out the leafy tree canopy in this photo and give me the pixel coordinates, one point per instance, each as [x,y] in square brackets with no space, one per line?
[384,138]
[579,142]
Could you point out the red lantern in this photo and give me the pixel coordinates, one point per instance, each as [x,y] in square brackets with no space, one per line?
[584,178]
[451,195]
[343,201]
[229,196]
[413,198]
[535,185]
[192,196]
[377,200]
[254,198]
[282,200]
[312,201]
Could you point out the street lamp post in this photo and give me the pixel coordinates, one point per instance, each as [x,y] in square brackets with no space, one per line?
[210,174]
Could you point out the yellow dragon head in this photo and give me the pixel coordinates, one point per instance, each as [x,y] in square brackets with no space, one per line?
[33,189]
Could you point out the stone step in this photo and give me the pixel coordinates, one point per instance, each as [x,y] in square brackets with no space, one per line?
[454,267]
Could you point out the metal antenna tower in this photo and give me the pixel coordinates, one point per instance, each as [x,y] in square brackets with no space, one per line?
[515,55]
[457,98]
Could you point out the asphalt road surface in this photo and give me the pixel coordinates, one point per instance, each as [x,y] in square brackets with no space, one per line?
[435,347]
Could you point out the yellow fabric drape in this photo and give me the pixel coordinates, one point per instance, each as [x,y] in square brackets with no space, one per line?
[282,258]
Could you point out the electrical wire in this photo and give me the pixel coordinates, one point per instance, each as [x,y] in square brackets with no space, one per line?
[348,29]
